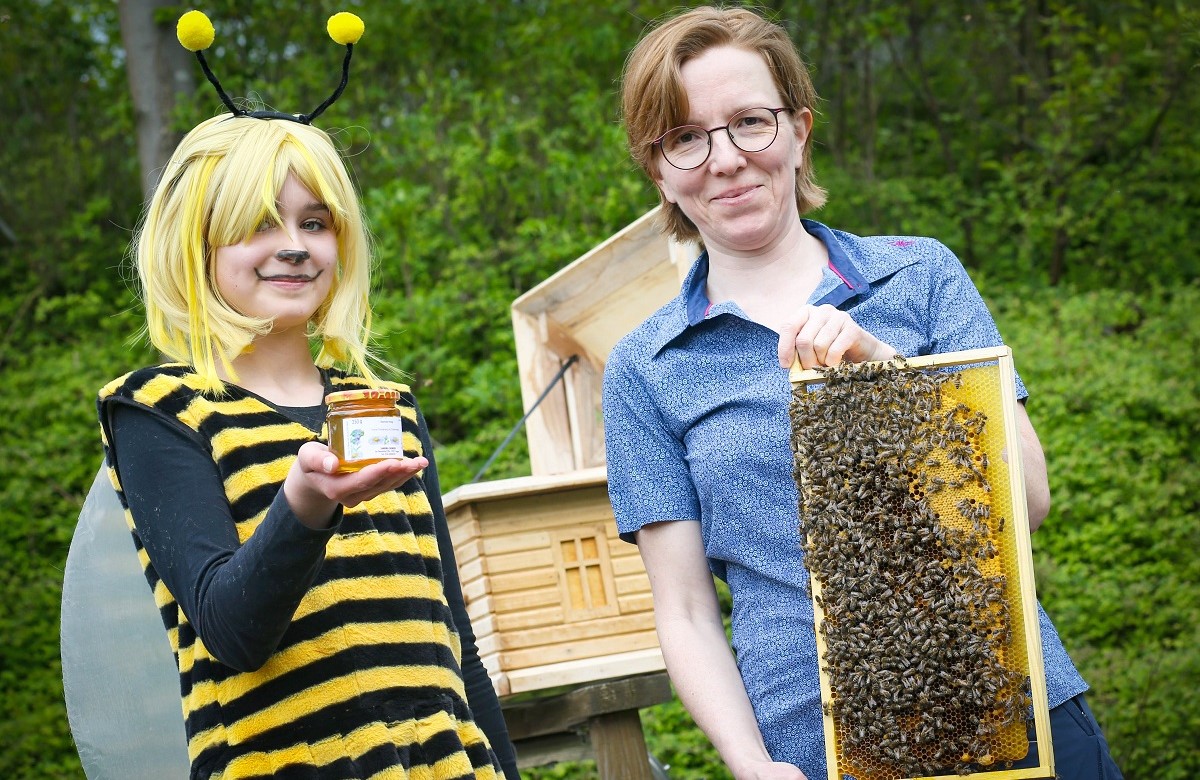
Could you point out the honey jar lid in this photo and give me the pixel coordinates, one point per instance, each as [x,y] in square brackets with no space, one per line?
[362,395]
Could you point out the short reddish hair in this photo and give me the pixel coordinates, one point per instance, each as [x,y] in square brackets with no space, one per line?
[653,99]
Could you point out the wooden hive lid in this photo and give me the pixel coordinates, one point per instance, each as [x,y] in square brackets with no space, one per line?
[502,489]
[582,311]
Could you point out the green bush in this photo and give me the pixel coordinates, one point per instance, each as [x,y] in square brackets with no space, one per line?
[51,446]
[1114,394]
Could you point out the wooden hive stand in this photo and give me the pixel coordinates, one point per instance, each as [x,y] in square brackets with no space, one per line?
[561,605]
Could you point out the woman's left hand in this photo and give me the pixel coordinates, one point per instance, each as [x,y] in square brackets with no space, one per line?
[825,336]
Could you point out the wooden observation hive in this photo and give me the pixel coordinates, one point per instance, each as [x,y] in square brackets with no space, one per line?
[555,597]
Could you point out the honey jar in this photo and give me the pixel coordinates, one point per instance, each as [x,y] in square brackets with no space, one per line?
[364,426]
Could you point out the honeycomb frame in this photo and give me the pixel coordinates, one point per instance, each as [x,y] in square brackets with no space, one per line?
[977,381]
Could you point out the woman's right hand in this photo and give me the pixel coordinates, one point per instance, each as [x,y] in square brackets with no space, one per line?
[825,336]
[314,487]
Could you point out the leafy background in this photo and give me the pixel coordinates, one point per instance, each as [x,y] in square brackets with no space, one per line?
[1050,143]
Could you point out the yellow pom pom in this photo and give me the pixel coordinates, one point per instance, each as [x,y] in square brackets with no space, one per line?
[345,28]
[194,31]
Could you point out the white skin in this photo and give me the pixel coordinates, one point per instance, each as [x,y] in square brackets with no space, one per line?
[760,257]
[283,273]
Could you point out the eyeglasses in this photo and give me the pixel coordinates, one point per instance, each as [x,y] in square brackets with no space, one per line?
[751,130]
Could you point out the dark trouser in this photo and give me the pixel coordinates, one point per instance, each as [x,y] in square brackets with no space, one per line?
[1080,749]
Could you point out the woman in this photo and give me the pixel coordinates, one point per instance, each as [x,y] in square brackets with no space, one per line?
[315,616]
[718,111]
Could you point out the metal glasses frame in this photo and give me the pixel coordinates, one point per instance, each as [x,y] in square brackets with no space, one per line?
[709,134]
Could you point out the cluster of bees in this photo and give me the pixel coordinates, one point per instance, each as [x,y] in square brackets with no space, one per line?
[896,512]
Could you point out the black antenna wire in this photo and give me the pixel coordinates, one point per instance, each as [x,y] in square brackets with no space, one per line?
[337,93]
[213,80]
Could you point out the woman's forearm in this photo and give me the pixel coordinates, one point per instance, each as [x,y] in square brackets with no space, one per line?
[1033,462]
[707,680]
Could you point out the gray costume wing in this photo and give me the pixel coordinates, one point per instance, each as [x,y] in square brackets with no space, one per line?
[119,677]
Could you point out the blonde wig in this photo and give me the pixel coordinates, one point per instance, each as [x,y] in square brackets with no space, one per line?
[220,184]
[653,99]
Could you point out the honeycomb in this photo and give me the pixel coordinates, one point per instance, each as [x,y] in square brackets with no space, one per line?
[906,510]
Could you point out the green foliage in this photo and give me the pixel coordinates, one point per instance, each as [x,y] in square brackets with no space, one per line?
[475,209]
[462,250]
[1115,393]
[68,181]
[48,439]
[1045,143]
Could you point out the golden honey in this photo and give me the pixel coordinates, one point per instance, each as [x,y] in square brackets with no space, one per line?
[364,426]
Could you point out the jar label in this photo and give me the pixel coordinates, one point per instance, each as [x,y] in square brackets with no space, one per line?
[372,437]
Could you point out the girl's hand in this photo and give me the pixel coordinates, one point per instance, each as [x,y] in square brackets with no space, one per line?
[314,487]
[825,336]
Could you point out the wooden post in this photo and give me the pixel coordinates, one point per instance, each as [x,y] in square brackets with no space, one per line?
[619,746]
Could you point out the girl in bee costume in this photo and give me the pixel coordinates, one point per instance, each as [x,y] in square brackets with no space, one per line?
[315,616]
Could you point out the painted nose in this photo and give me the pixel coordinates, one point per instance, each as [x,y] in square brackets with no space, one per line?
[294,256]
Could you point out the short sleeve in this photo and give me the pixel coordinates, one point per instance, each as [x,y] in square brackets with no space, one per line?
[959,317]
[648,476]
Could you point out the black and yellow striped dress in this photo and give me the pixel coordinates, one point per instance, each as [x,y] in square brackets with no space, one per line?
[366,681]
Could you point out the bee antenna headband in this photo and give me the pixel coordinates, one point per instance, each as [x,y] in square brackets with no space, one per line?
[196,33]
